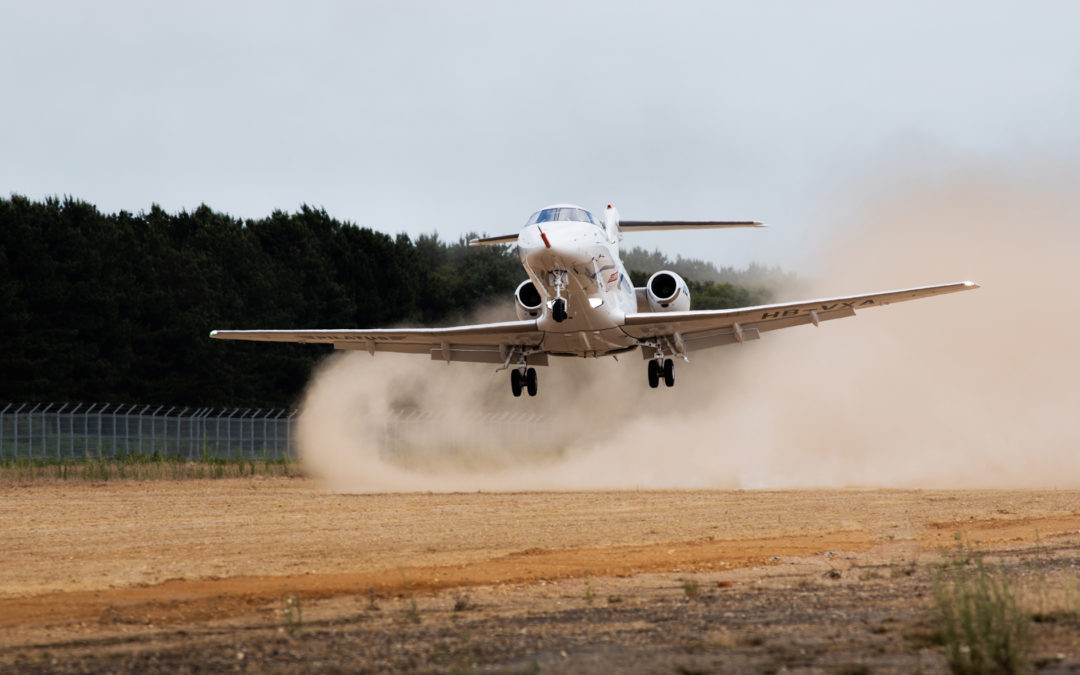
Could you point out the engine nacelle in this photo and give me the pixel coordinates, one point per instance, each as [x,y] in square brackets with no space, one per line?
[528,303]
[667,292]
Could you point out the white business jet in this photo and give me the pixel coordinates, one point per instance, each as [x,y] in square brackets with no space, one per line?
[578,301]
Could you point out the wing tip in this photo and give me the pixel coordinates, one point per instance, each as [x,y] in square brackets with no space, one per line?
[971,284]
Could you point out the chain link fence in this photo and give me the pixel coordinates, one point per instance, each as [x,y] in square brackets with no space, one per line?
[80,431]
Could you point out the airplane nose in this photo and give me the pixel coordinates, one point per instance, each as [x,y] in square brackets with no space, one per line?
[552,247]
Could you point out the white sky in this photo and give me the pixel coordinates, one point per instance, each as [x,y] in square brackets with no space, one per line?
[467,116]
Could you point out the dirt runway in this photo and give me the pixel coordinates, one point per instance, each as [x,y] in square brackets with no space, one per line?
[124,575]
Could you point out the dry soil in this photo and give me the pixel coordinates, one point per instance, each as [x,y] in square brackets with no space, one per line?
[280,575]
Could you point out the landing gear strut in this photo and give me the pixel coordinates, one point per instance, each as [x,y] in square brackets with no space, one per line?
[658,369]
[558,308]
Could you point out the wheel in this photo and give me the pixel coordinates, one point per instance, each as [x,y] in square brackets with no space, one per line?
[515,382]
[558,311]
[530,381]
[654,374]
[669,372]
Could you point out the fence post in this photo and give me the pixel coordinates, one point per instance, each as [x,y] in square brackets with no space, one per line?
[30,419]
[45,431]
[86,430]
[16,429]
[288,434]
[198,429]
[191,426]
[200,435]
[99,411]
[228,433]
[253,416]
[277,427]
[3,414]
[165,435]
[179,423]
[59,436]
[266,419]
[145,407]
[204,432]
[71,430]
[127,430]
[112,427]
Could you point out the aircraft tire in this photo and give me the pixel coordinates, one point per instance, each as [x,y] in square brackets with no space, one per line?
[558,311]
[654,374]
[515,382]
[669,372]
[530,381]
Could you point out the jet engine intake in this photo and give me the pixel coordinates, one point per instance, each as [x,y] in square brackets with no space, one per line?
[528,302]
[667,292]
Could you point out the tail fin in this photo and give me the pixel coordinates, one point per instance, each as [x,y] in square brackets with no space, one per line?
[611,223]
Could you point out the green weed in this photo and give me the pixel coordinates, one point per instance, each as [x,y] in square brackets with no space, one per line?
[590,593]
[412,615]
[293,613]
[978,617]
[691,588]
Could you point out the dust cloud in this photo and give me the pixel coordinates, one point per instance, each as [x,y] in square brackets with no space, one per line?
[976,389]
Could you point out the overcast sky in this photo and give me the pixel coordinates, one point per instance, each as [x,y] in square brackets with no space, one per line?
[467,116]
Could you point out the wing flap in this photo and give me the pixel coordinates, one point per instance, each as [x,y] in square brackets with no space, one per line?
[470,354]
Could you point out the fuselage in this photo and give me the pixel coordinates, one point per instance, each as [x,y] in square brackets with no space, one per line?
[569,254]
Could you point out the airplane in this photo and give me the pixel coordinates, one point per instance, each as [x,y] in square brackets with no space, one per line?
[578,301]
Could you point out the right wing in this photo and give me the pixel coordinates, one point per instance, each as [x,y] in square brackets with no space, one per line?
[481,343]
[692,330]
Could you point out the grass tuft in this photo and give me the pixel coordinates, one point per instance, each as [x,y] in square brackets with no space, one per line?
[691,588]
[978,618]
[293,613]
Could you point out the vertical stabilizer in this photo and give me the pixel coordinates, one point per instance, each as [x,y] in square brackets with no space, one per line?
[611,223]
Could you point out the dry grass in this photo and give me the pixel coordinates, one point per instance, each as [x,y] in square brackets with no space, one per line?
[141,468]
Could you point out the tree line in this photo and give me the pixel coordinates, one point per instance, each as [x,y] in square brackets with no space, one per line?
[118,307]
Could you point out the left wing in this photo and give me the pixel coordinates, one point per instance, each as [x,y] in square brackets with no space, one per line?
[480,343]
[692,330]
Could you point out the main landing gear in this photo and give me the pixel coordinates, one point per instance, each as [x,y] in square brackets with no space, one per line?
[658,369]
[523,378]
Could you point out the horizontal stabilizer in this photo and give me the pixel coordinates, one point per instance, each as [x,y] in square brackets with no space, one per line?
[642,225]
[491,241]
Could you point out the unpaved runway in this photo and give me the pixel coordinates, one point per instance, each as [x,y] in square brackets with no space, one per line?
[98,561]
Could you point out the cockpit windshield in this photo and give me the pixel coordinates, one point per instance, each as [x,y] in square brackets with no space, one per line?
[570,213]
